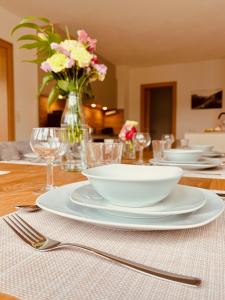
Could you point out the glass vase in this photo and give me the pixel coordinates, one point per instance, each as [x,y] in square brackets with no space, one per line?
[129,151]
[73,119]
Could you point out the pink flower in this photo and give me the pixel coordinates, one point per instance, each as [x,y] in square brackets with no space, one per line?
[91,44]
[86,40]
[55,46]
[131,133]
[46,67]
[102,69]
[128,130]
[70,63]
[60,49]
[82,36]
[94,60]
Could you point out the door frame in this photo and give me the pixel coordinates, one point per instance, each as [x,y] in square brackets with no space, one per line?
[10,88]
[145,109]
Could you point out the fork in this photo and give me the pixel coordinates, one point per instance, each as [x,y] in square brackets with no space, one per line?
[43,243]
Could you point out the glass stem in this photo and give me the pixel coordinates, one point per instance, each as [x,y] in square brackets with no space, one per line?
[141,155]
[49,184]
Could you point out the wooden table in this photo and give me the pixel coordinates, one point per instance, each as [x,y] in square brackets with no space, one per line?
[19,185]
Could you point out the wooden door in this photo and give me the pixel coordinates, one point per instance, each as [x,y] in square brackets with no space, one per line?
[153,114]
[7,131]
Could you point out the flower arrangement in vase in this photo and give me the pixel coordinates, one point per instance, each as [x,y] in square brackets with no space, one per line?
[127,135]
[71,64]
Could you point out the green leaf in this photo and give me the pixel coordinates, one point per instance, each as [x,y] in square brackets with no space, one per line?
[29,37]
[34,61]
[25,25]
[32,18]
[45,20]
[29,46]
[53,95]
[63,85]
[45,80]
[27,19]
[54,37]
[71,86]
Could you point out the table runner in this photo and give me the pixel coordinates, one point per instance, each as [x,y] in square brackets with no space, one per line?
[74,274]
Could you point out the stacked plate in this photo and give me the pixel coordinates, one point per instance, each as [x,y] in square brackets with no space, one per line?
[207,151]
[192,159]
[184,207]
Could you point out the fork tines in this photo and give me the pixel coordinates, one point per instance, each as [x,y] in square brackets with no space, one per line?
[24,230]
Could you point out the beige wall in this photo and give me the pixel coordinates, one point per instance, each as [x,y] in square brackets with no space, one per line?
[189,77]
[25,80]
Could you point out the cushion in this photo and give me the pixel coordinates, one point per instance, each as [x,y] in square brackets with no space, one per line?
[23,147]
[8,151]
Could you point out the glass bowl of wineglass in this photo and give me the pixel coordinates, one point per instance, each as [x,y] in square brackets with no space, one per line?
[49,143]
[169,140]
[142,140]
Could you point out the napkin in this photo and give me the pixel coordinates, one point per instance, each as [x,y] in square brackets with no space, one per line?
[4,172]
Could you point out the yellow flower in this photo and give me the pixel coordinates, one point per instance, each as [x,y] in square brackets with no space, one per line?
[58,62]
[131,123]
[81,56]
[69,45]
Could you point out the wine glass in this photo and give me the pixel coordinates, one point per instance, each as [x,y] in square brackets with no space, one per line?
[142,140]
[169,140]
[49,143]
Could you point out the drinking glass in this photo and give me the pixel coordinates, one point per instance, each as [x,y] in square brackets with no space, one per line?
[182,143]
[98,154]
[169,140]
[142,140]
[158,149]
[49,144]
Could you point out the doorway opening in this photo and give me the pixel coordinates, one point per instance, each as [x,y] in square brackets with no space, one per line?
[158,108]
[7,127]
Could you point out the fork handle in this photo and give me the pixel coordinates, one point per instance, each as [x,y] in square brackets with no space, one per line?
[138,267]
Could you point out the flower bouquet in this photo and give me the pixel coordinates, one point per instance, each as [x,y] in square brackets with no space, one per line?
[70,64]
[127,135]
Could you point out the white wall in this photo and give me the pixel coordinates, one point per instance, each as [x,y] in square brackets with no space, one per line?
[189,77]
[25,80]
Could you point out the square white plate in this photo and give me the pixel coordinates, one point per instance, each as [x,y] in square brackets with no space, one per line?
[183,199]
[57,201]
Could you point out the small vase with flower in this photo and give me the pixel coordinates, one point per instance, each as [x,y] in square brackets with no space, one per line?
[127,135]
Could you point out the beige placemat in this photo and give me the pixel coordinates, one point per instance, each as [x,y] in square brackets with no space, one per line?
[73,274]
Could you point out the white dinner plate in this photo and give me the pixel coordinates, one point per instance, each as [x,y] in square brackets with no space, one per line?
[31,155]
[183,199]
[189,166]
[213,154]
[57,201]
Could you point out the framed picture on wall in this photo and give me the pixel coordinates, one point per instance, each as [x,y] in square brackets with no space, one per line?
[205,99]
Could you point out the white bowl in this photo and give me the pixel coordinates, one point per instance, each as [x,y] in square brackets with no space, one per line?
[204,148]
[133,185]
[182,155]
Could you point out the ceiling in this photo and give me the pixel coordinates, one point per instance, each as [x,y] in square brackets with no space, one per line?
[139,32]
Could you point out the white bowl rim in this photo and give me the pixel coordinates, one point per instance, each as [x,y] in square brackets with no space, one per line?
[186,151]
[201,145]
[166,177]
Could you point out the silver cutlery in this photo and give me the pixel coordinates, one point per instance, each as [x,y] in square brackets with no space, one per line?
[42,243]
[222,195]
[28,207]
